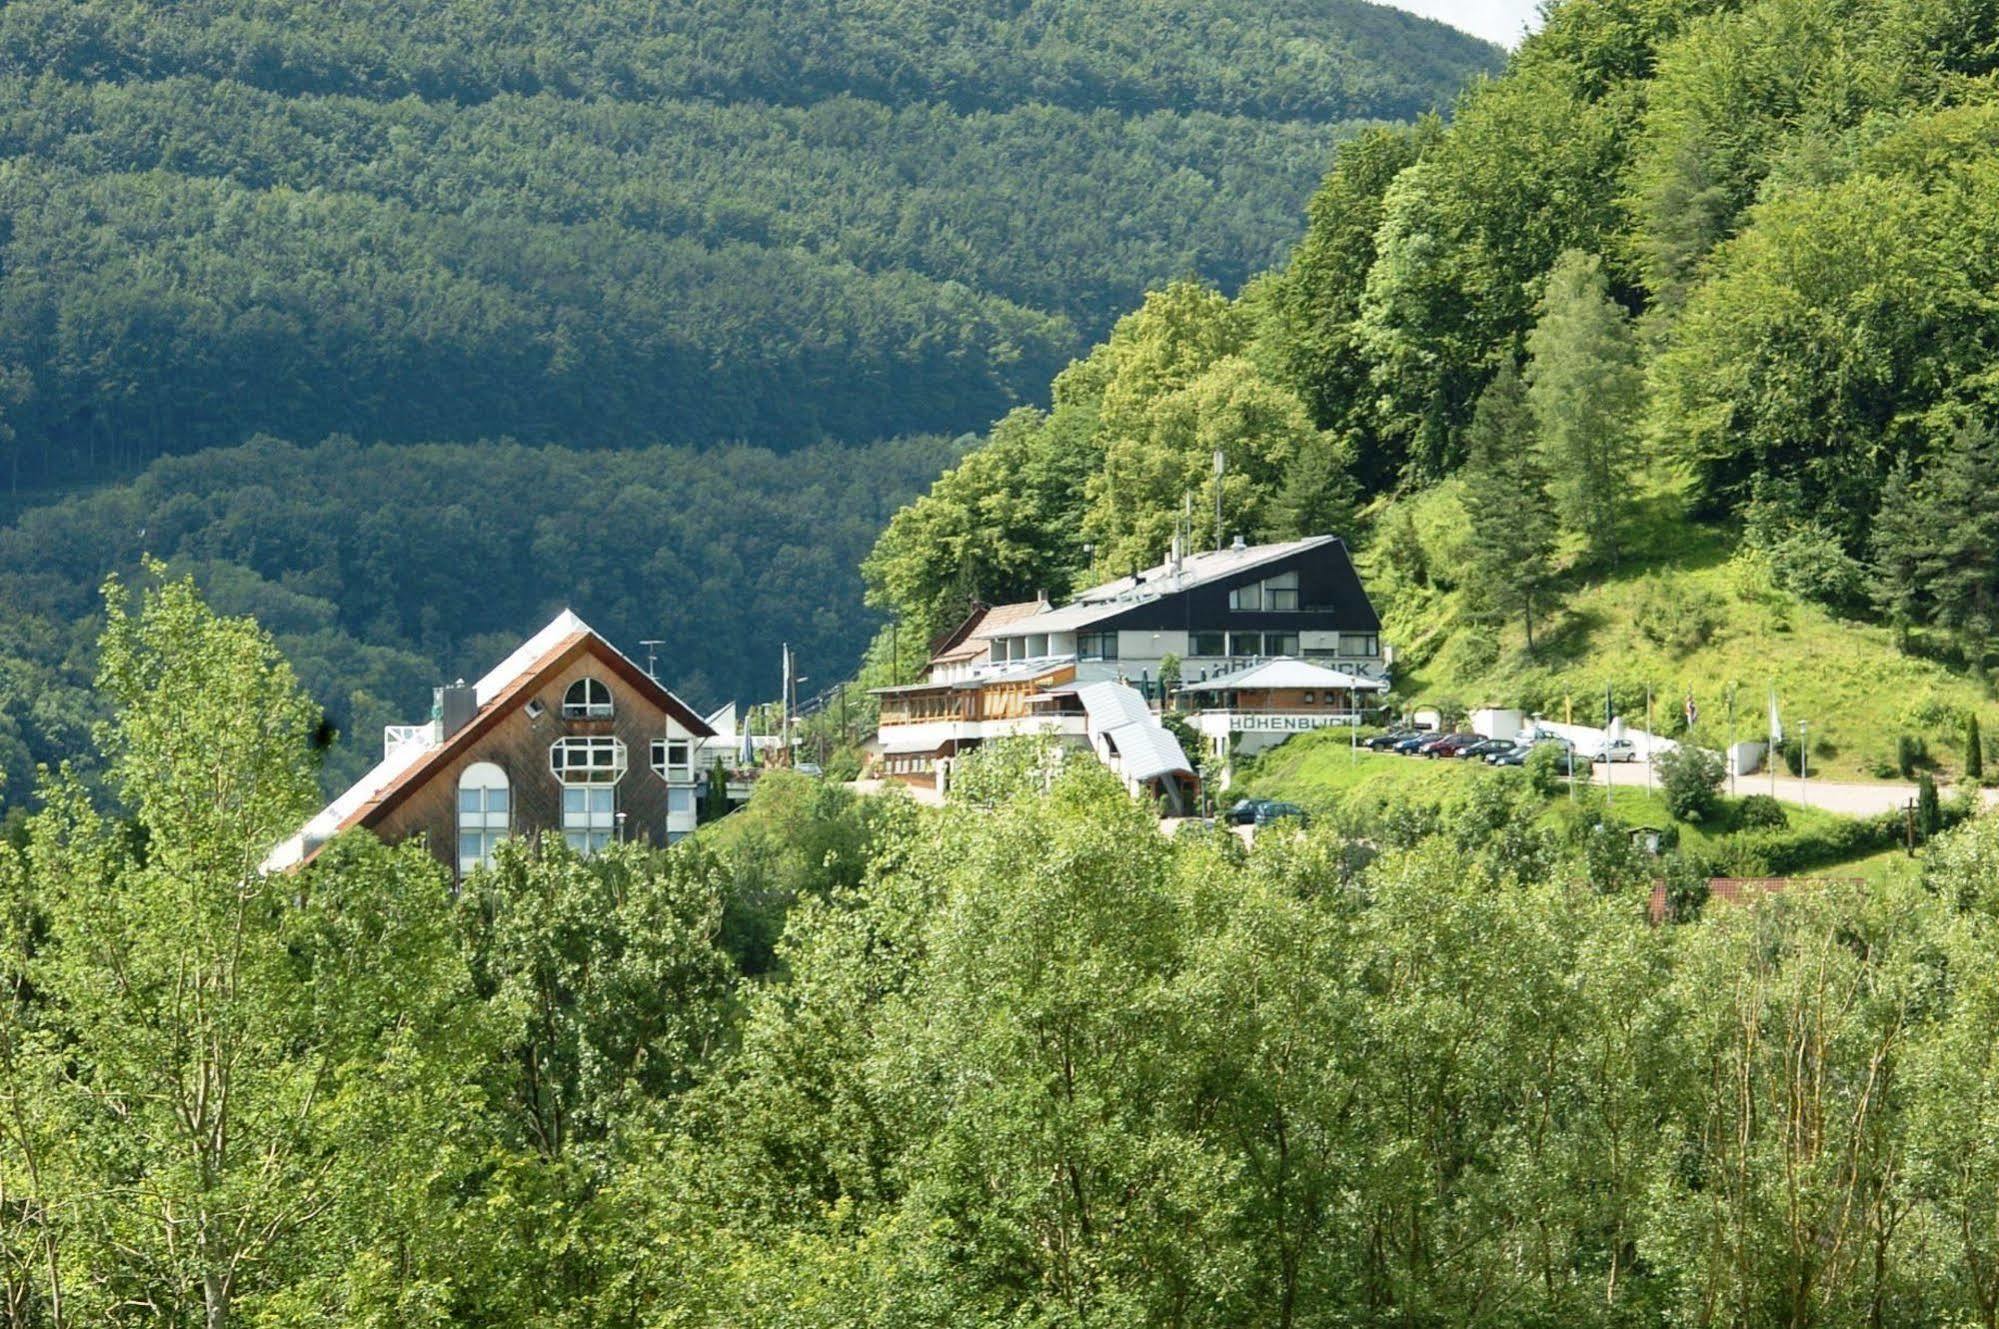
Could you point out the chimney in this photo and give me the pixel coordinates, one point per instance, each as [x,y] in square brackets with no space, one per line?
[454,708]
[1238,543]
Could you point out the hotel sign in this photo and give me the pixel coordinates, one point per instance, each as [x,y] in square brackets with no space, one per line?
[1249,722]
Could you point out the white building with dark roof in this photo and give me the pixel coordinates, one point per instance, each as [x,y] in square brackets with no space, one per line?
[1031,667]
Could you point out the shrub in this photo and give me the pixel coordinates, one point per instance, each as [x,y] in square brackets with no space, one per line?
[1676,617]
[1691,778]
[1547,769]
[1810,563]
[1910,752]
[1760,812]
[1929,813]
[1794,755]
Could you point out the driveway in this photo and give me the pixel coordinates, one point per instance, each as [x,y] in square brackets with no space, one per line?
[1852,800]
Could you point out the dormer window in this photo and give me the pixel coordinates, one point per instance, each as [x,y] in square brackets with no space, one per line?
[587,699]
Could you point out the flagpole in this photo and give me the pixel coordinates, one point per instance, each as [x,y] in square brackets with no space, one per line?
[1728,753]
[1649,731]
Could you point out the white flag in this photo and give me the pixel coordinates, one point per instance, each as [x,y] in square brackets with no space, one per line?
[1776,725]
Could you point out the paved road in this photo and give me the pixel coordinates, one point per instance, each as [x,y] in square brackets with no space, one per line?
[1853,800]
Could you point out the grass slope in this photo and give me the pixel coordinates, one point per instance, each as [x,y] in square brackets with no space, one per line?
[1689,610]
[1321,772]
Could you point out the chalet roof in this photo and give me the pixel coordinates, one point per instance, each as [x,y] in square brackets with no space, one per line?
[566,638]
[1286,673]
[968,643]
[1115,597]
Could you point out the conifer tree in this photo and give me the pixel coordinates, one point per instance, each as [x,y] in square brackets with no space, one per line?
[1510,519]
[1974,750]
[1584,386]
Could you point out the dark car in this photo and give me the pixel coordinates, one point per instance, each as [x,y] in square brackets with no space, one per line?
[1513,756]
[1382,742]
[1245,812]
[1269,814]
[1412,742]
[1450,746]
[1485,748]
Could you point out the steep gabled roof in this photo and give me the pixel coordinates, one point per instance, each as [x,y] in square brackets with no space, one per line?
[1113,598]
[498,693]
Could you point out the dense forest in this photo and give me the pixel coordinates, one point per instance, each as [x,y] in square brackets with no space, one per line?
[1735,259]
[384,571]
[1021,1061]
[626,224]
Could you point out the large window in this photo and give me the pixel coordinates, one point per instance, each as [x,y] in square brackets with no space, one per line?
[673,758]
[1277,595]
[589,816]
[587,760]
[484,807]
[1245,643]
[1209,644]
[1096,645]
[587,699]
[1280,643]
[1357,646]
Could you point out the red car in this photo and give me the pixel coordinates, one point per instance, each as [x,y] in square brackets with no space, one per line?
[1448,745]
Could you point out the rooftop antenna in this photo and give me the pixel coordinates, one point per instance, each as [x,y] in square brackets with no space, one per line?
[652,658]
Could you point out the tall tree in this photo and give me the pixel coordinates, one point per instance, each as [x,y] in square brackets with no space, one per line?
[1510,518]
[1585,389]
[236,1046]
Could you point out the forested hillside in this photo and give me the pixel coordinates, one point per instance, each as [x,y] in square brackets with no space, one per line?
[384,571]
[624,223]
[1692,281]
[1020,1061]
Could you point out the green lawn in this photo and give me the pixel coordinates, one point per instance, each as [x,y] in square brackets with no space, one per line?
[1686,611]
[1322,773]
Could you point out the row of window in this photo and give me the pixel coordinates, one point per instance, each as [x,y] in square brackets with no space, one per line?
[1214,645]
[589,769]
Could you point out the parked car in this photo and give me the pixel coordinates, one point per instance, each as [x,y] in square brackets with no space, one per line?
[1451,745]
[1412,742]
[1244,813]
[1382,742]
[1485,747]
[1615,749]
[1513,756]
[1269,814]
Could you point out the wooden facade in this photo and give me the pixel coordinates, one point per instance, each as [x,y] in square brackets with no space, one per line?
[516,732]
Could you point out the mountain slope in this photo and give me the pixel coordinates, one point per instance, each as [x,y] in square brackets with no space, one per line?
[629,223]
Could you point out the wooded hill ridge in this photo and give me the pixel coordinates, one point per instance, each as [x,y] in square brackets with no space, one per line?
[632,224]
[1686,261]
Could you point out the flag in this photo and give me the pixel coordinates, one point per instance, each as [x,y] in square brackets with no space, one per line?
[1693,711]
[1776,725]
[1569,709]
[1609,707]
[748,756]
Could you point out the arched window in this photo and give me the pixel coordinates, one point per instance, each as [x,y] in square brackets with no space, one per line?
[484,807]
[587,699]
